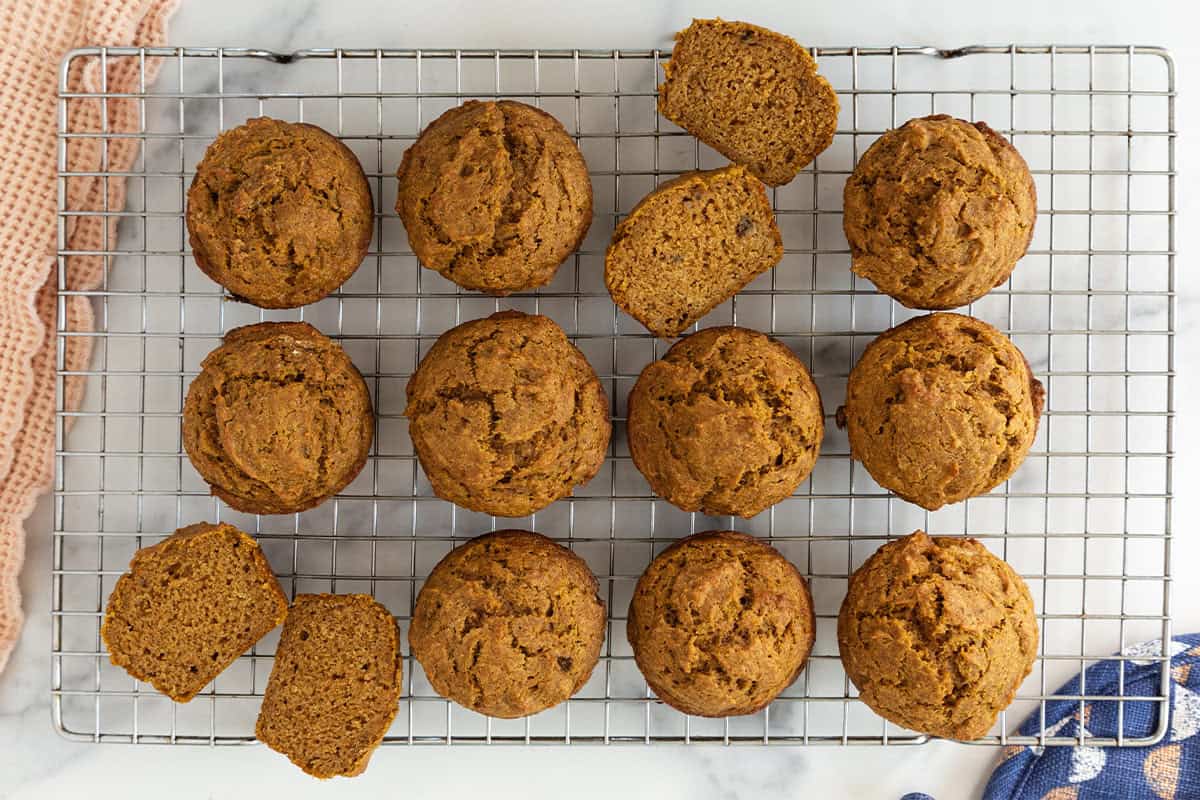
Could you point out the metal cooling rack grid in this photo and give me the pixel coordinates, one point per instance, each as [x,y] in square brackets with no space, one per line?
[1085,520]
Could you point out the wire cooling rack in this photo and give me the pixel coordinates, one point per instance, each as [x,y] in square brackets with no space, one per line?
[1085,519]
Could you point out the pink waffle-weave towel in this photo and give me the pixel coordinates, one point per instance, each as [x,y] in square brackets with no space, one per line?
[34,37]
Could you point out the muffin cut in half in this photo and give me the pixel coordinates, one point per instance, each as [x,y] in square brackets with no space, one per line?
[336,684]
[689,246]
[189,606]
[752,94]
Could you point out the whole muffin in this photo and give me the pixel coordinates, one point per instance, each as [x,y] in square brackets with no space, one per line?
[494,196]
[720,623]
[506,415]
[508,624]
[689,246]
[937,634]
[727,422]
[941,408]
[752,94]
[938,211]
[278,420]
[279,213]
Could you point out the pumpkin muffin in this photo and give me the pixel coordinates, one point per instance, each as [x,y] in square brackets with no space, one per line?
[506,415]
[508,624]
[937,634]
[941,408]
[279,213]
[938,212]
[752,94]
[689,246]
[727,422]
[189,606]
[720,623]
[335,686]
[278,420]
[494,196]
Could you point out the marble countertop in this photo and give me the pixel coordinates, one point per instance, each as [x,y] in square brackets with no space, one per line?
[37,763]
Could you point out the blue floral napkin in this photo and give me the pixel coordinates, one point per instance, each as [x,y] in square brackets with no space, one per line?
[1169,770]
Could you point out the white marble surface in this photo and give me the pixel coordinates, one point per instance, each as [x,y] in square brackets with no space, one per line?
[37,763]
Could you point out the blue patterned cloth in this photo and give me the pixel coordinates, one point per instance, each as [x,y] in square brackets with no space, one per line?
[1169,770]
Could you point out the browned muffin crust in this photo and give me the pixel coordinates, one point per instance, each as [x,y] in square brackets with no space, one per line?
[689,246]
[941,408]
[494,196]
[720,623]
[508,624]
[727,422]
[506,415]
[939,211]
[335,686]
[189,606]
[278,420]
[279,213]
[937,634]
[752,94]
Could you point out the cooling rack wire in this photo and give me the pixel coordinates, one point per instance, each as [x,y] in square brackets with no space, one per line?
[1086,520]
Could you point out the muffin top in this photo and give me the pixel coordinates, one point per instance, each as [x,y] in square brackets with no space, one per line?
[937,634]
[278,418]
[727,422]
[279,213]
[494,196]
[938,211]
[689,246]
[720,623]
[506,415]
[941,408]
[752,94]
[508,624]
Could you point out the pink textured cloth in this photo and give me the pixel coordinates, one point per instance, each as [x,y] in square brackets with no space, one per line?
[34,36]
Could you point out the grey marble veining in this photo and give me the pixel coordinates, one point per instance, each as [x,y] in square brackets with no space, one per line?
[43,765]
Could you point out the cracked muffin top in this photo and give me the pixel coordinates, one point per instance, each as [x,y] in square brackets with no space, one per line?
[508,624]
[938,212]
[727,422]
[941,408]
[752,94]
[689,246]
[279,213]
[720,623]
[937,634]
[278,420]
[506,415]
[494,196]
